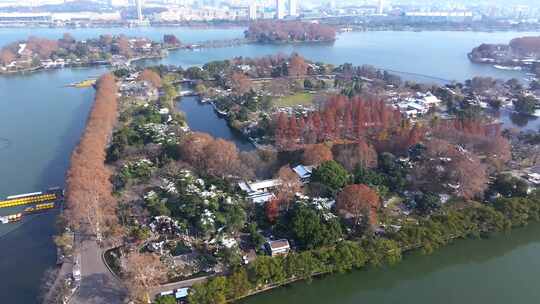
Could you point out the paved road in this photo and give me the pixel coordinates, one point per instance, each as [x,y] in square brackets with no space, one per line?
[98,285]
[64,272]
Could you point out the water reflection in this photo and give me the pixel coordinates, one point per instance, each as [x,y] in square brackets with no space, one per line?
[521,120]
[468,267]
[525,122]
[201,117]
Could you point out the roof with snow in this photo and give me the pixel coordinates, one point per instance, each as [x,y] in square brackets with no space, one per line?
[303,171]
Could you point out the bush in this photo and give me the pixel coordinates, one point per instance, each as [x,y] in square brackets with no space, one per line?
[510,186]
[165,300]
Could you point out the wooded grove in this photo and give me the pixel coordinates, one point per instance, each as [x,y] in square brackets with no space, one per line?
[90,204]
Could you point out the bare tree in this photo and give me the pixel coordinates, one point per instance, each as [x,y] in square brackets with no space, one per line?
[143,272]
[317,154]
[361,153]
[90,205]
[290,185]
[192,149]
[297,66]
[240,83]
[359,200]
[279,87]
[152,77]
[447,167]
[222,158]
[6,56]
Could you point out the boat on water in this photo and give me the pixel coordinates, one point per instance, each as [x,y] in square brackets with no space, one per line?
[12,218]
[84,84]
[39,207]
[508,68]
[36,202]
[50,195]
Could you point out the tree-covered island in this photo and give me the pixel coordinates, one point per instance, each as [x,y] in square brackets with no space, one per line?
[519,53]
[37,53]
[289,32]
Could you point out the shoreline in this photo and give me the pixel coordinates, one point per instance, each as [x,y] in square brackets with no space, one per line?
[243,24]
[478,233]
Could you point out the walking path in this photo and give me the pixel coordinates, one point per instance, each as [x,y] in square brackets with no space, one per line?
[176,285]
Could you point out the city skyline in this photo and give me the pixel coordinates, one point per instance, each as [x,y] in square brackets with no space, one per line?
[322,2]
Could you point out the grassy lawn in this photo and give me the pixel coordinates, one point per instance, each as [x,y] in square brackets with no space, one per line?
[294,100]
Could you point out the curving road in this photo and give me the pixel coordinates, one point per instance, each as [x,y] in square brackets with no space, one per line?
[98,285]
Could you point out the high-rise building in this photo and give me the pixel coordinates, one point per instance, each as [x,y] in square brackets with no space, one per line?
[280,9]
[140,16]
[293,8]
[118,3]
[253,10]
[381,7]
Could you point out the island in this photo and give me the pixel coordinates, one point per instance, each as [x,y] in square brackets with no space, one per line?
[37,53]
[275,31]
[520,54]
[354,168]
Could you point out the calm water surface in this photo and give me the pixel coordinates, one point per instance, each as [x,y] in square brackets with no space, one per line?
[41,122]
[439,55]
[201,117]
[500,270]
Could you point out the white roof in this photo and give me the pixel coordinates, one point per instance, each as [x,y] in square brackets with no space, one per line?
[303,171]
[416,106]
[244,186]
[181,293]
[166,293]
[258,186]
[265,184]
[261,197]
[431,99]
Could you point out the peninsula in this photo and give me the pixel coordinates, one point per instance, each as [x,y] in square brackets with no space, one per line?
[355,167]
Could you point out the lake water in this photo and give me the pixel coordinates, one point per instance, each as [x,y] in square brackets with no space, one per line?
[202,118]
[41,121]
[500,270]
[436,55]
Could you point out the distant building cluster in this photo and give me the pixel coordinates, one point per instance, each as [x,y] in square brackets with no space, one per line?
[144,11]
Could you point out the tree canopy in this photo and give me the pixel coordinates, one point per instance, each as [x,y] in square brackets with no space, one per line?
[331,175]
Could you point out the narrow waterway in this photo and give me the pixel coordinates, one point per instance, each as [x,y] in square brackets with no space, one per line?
[201,117]
[41,122]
